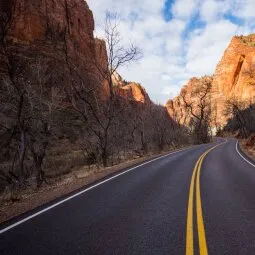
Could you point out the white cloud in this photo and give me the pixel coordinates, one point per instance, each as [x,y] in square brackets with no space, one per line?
[170,91]
[212,10]
[166,77]
[177,50]
[243,8]
[205,48]
[184,8]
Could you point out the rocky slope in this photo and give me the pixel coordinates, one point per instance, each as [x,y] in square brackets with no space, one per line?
[234,77]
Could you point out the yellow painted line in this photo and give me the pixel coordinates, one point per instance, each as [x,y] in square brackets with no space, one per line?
[189,233]
[195,186]
[200,220]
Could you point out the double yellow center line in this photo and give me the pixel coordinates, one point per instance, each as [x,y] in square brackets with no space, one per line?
[195,186]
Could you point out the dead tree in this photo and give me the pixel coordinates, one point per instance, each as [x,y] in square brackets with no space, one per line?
[198,105]
[242,113]
[99,114]
[9,12]
[44,99]
[28,105]
[118,55]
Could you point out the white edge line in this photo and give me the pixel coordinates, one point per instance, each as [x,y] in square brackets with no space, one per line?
[83,191]
[242,155]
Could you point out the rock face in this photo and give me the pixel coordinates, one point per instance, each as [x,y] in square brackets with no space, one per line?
[134,91]
[39,20]
[138,92]
[176,107]
[57,35]
[234,77]
[130,90]
[235,74]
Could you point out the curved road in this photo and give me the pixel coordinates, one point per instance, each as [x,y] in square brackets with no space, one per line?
[197,201]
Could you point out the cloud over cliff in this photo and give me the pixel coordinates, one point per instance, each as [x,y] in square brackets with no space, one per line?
[180,39]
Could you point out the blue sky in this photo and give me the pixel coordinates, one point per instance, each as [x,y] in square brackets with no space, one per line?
[166,11]
[180,39]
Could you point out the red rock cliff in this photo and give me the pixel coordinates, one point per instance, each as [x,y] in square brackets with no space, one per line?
[56,37]
[130,90]
[234,77]
[176,107]
[56,33]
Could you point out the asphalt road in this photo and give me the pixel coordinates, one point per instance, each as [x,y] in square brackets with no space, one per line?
[184,203]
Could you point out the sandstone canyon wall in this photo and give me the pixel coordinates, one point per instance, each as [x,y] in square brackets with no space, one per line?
[57,33]
[176,107]
[130,90]
[234,77]
[56,37]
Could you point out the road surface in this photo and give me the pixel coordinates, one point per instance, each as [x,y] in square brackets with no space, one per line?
[197,201]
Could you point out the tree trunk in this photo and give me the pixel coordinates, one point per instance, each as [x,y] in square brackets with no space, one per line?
[104,157]
[40,177]
[22,151]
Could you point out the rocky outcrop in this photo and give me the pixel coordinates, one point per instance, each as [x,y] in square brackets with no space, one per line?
[54,36]
[235,74]
[177,108]
[130,90]
[234,77]
[136,92]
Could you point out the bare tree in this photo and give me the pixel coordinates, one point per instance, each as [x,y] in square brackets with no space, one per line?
[29,101]
[13,95]
[44,98]
[199,106]
[100,116]
[9,12]
[118,55]
[241,112]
